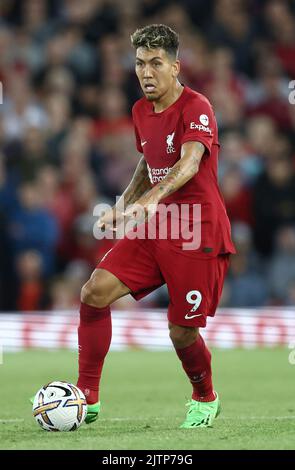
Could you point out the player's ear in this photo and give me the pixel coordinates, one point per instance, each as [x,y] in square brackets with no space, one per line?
[175,68]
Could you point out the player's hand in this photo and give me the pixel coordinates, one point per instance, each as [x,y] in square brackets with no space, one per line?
[144,208]
[110,220]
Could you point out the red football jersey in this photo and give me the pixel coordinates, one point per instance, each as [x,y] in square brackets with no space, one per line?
[159,136]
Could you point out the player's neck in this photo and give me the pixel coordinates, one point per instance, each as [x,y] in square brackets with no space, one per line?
[169,98]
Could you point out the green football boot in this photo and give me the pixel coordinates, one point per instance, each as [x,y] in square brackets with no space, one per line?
[92,412]
[201,414]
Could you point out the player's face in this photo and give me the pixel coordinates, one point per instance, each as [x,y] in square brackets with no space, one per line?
[156,72]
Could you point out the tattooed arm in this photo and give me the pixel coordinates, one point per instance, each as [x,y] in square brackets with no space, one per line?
[183,170]
[138,186]
[140,191]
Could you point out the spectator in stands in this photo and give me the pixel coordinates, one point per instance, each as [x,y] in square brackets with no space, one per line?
[237,196]
[236,152]
[20,110]
[225,89]
[62,295]
[274,196]
[261,134]
[76,274]
[271,96]
[32,227]
[246,284]
[280,28]
[233,27]
[282,265]
[30,286]
[32,155]
[290,298]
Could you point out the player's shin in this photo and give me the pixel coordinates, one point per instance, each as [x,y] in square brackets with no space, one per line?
[196,361]
[94,336]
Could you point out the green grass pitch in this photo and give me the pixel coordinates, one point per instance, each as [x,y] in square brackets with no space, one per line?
[143,397]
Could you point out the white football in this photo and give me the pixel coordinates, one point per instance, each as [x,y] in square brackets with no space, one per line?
[59,406]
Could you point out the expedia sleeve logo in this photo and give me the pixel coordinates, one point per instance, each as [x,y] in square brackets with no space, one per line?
[204,120]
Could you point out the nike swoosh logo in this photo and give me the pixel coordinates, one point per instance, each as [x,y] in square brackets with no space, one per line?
[143,143]
[189,317]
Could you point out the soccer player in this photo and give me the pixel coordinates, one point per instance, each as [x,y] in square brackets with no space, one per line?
[176,133]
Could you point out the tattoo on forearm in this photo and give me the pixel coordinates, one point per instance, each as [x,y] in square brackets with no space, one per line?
[139,184]
[178,176]
[172,179]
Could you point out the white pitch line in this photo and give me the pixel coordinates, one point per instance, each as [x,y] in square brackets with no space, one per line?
[152,419]
[259,417]
[219,419]
[131,419]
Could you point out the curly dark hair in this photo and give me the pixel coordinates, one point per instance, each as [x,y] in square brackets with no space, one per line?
[156,36]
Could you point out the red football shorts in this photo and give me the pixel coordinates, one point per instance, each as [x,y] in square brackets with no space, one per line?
[194,283]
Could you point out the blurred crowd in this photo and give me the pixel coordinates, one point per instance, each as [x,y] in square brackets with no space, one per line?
[67,140]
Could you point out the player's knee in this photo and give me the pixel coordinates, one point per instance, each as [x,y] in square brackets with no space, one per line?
[183,336]
[94,294]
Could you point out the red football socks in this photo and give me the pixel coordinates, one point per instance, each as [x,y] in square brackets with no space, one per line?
[94,336]
[196,361]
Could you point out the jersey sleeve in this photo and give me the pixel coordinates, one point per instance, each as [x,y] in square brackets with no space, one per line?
[137,136]
[199,123]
